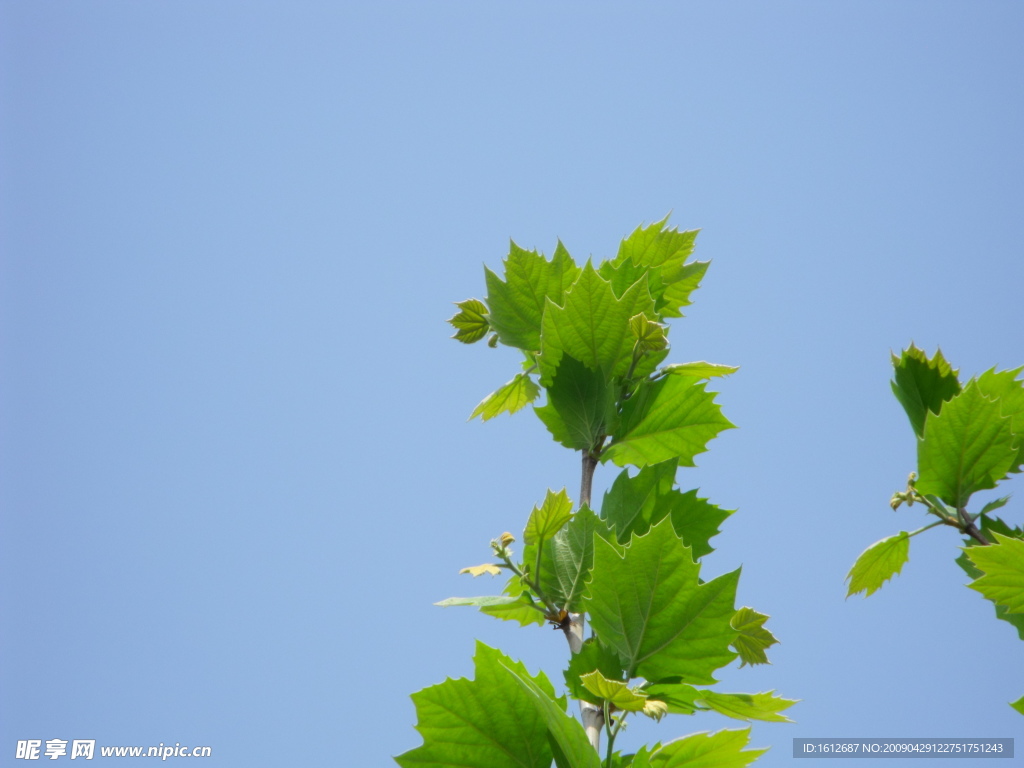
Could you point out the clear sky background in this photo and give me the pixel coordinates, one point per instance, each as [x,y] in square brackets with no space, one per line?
[236,469]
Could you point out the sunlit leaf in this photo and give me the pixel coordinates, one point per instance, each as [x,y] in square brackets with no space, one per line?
[700,369]
[753,639]
[592,657]
[567,559]
[517,302]
[592,326]
[492,721]
[672,418]
[663,251]
[748,706]
[470,322]
[1003,566]
[647,602]
[878,563]
[724,749]
[546,520]
[967,447]
[508,398]
[1008,390]
[615,692]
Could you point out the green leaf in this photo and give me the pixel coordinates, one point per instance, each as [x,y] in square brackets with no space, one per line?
[547,519]
[748,706]
[696,520]
[470,322]
[649,605]
[592,326]
[990,527]
[1018,705]
[753,639]
[517,303]
[878,563]
[615,692]
[633,504]
[567,559]
[663,252]
[967,447]
[992,506]
[700,369]
[505,607]
[581,405]
[724,749]
[592,657]
[493,721]
[922,384]
[1004,387]
[570,745]
[1003,568]
[508,398]
[672,418]
[648,334]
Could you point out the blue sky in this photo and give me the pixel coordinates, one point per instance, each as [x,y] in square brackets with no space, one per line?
[236,470]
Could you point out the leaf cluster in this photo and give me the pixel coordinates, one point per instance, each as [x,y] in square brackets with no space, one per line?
[970,438]
[594,339]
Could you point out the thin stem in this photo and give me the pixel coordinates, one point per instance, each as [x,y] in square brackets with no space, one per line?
[587,480]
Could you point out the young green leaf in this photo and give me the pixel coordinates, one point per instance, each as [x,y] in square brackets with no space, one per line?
[592,657]
[508,398]
[672,418]
[748,706]
[614,692]
[470,322]
[922,385]
[517,303]
[592,326]
[724,749]
[969,446]
[567,559]
[648,334]
[664,252]
[1003,568]
[487,722]
[700,369]
[1004,387]
[878,563]
[753,639]
[547,519]
[649,605]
